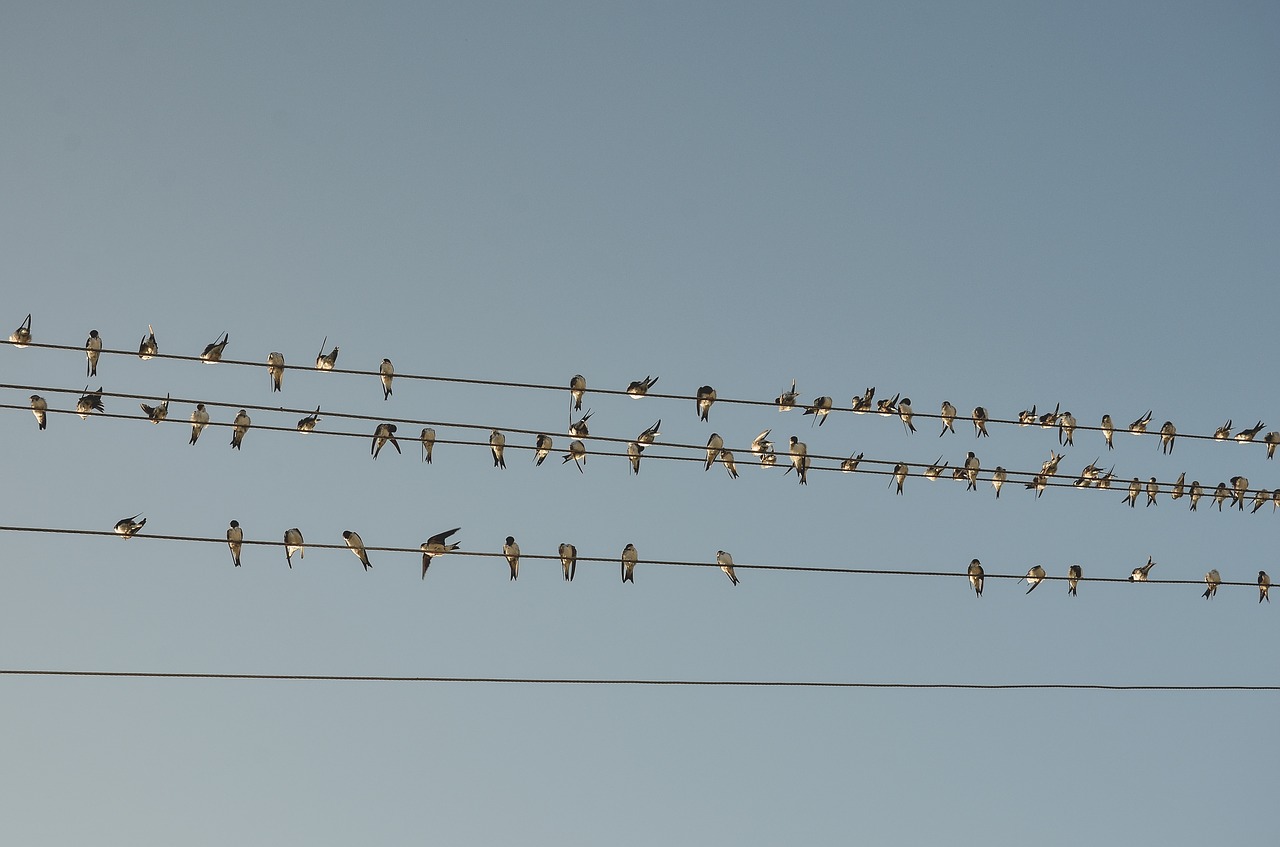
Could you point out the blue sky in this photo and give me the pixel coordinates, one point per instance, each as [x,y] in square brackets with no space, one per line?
[995,204]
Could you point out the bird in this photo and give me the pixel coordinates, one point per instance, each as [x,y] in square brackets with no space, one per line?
[90,401]
[498,443]
[850,464]
[1212,580]
[383,433]
[577,388]
[1271,439]
[1034,577]
[511,550]
[730,466]
[799,452]
[326,362]
[1027,416]
[997,479]
[1223,432]
[648,436]
[92,350]
[629,559]
[1260,499]
[1220,494]
[1039,482]
[40,408]
[357,546]
[971,468]
[129,527]
[640,387]
[905,412]
[1050,466]
[1135,488]
[863,404]
[541,448]
[577,453]
[235,539]
[980,422]
[821,406]
[275,370]
[213,352]
[786,401]
[568,561]
[579,429]
[761,443]
[1176,492]
[900,471]
[705,397]
[1244,436]
[725,561]
[1197,491]
[887,406]
[386,372]
[428,440]
[293,544]
[976,577]
[1264,587]
[436,545]
[1239,487]
[199,420]
[714,445]
[21,336]
[1067,429]
[948,418]
[1167,434]
[768,458]
[308,424]
[1143,573]
[148,347]
[157,413]
[1140,425]
[1073,578]
[1153,488]
[1108,430]
[1049,419]
[634,450]
[238,428]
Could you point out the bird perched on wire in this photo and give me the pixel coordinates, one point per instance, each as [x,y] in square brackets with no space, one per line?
[511,551]
[629,559]
[640,387]
[293,544]
[900,471]
[148,347]
[976,576]
[308,424]
[386,373]
[357,546]
[704,399]
[326,362]
[1034,577]
[862,404]
[436,545]
[998,477]
[799,454]
[579,429]
[235,540]
[714,445]
[1264,587]
[541,448]
[21,336]
[1142,574]
[634,450]
[577,388]
[730,465]
[92,350]
[980,423]
[40,408]
[428,440]
[91,401]
[577,453]
[786,401]
[1244,436]
[497,444]
[1073,578]
[568,561]
[383,433]
[129,527]
[1139,426]
[948,418]
[819,409]
[156,413]
[725,561]
[212,353]
[1108,430]
[1168,432]
[199,420]
[1223,432]
[648,436]
[275,370]
[1212,580]
[239,427]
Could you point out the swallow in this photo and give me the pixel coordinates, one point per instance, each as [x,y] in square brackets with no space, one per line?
[1239,487]
[40,408]
[129,527]
[1140,425]
[577,388]
[971,468]
[91,401]
[1073,579]
[1143,573]
[577,453]
[383,433]
[1264,587]
[948,418]
[761,443]
[155,414]
[1034,577]
[386,372]
[1104,481]
[958,474]
[1223,432]
[634,450]
[436,545]
[148,347]
[980,422]
[1275,500]
[629,559]
[730,465]
[863,404]
[1050,466]
[976,577]
[275,370]
[541,448]
[1271,439]
[1260,499]
[786,401]
[998,478]
[1153,488]
[357,546]
[428,440]
[640,387]
[1244,436]
[650,434]
[905,412]
[714,445]
[1167,434]
[1108,430]
[1027,416]
[888,406]
[21,336]
[725,561]
[92,350]
[1135,488]
[799,452]
[308,424]
[705,398]
[1212,579]
[900,472]
[568,561]
[498,443]
[511,550]
[1178,487]
[213,352]
[326,362]
[850,464]
[821,406]
[1039,482]
[293,544]
[1067,429]
[235,539]
[579,429]
[768,458]
[238,428]
[199,420]
[1196,493]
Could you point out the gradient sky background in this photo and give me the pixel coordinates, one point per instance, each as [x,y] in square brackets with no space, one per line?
[993,203]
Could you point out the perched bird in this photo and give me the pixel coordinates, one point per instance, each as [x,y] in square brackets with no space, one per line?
[900,472]
[998,478]
[293,544]
[1135,488]
[768,458]
[579,429]
[357,546]
[1050,466]
[511,550]
[905,412]
[436,545]
[1260,499]
[383,433]
[1220,494]
[1178,487]
[235,539]
[1034,577]
[1073,579]
[1244,436]
[629,559]
[799,453]
[634,449]
[40,408]
[156,414]
[148,347]
[21,336]
[1143,573]
[568,561]
[786,401]
[1167,434]
[1027,416]
[725,561]
[1140,425]
[714,445]
[1153,488]
[971,468]
[238,428]
[91,401]
[976,577]
[863,404]
[1239,487]
[761,443]
[1271,439]
[1108,430]
[1039,482]
[850,464]
[428,440]
[948,418]
[541,448]
[275,370]
[577,388]
[92,350]
[1212,580]
[129,527]
[1049,419]
[1264,587]
[887,406]
[705,398]
[326,362]
[308,424]
[730,466]
[199,420]
[1197,491]
[386,373]
[821,406]
[1223,432]
[213,352]
[498,443]
[577,453]
[980,422]
[648,436]
[1067,429]
[640,387]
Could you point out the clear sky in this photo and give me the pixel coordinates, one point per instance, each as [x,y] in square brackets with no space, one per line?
[992,203]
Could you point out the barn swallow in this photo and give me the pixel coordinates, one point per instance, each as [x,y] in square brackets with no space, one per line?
[1034,577]
[768,458]
[1140,425]
[1039,482]
[1239,487]
[650,434]
[21,336]
[850,464]
[577,453]
[568,561]
[1067,429]
[980,422]
[1050,419]
[239,427]
[1104,481]
[541,448]
[577,388]
[730,466]
[326,362]
[971,468]
[357,546]
[887,406]
[428,440]
[1108,430]
[1153,488]
[40,408]
[1050,465]
[498,443]
[997,479]
[821,406]
[91,401]
[1168,432]
[511,550]
[705,397]
[1271,439]
[1196,493]
[148,347]
[1027,416]
[213,352]
[799,452]
[129,527]
[1264,587]
[976,576]
[1260,499]
[1135,488]
[1178,487]
[629,559]
[1244,436]
[235,539]
[383,433]
[900,472]
[948,418]
[308,424]
[1073,579]
[1212,579]
[634,450]
[714,445]
[92,350]
[155,414]
[640,387]
[761,443]
[1143,573]
[725,561]
[436,545]
[863,404]
[958,474]
[293,544]
[579,429]
[386,372]
[905,412]
[786,401]
[199,420]
[1223,432]
[275,370]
